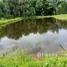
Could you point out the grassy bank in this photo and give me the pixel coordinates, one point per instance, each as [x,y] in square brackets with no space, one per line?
[59,17]
[26,61]
[62,17]
[4,22]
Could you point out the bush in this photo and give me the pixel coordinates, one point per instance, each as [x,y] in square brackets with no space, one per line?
[62,8]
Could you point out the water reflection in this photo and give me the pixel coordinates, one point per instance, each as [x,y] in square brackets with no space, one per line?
[35,36]
[28,26]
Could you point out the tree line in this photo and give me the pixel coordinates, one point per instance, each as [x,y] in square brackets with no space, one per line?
[20,8]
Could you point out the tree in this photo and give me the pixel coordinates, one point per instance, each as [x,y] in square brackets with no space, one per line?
[20,8]
[55,4]
[62,8]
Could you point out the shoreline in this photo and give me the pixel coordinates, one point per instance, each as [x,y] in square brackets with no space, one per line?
[4,22]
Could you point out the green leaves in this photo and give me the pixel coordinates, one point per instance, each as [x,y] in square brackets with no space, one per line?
[19,8]
[62,8]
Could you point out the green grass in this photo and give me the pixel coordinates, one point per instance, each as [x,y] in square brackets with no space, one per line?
[9,21]
[62,17]
[27,61]
[24,59]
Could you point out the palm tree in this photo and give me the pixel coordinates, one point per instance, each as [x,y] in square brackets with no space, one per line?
[55,4]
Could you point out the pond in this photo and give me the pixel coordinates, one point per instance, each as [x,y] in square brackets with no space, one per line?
[42,35]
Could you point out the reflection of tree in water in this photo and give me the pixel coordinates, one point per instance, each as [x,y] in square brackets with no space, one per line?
[62,24]
[26,27]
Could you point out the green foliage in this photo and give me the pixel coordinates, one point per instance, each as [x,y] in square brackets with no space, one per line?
[25,60]
[19,8]
[62,8]
[30,12]
[24,8]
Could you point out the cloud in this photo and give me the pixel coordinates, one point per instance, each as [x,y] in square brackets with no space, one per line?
[48,41]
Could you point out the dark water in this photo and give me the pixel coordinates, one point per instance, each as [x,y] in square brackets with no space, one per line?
[34,35]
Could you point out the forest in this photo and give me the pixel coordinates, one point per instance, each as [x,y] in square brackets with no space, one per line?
[26,8]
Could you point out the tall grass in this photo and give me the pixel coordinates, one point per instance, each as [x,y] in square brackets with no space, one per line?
[25,60]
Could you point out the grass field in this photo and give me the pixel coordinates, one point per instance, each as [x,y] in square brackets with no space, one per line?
[19,61]
[25,60]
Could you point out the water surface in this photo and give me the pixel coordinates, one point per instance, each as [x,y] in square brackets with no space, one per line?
[34,35]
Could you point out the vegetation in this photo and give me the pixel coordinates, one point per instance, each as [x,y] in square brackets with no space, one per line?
[21,8]
[25,60]
[9,21]
[62,17]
